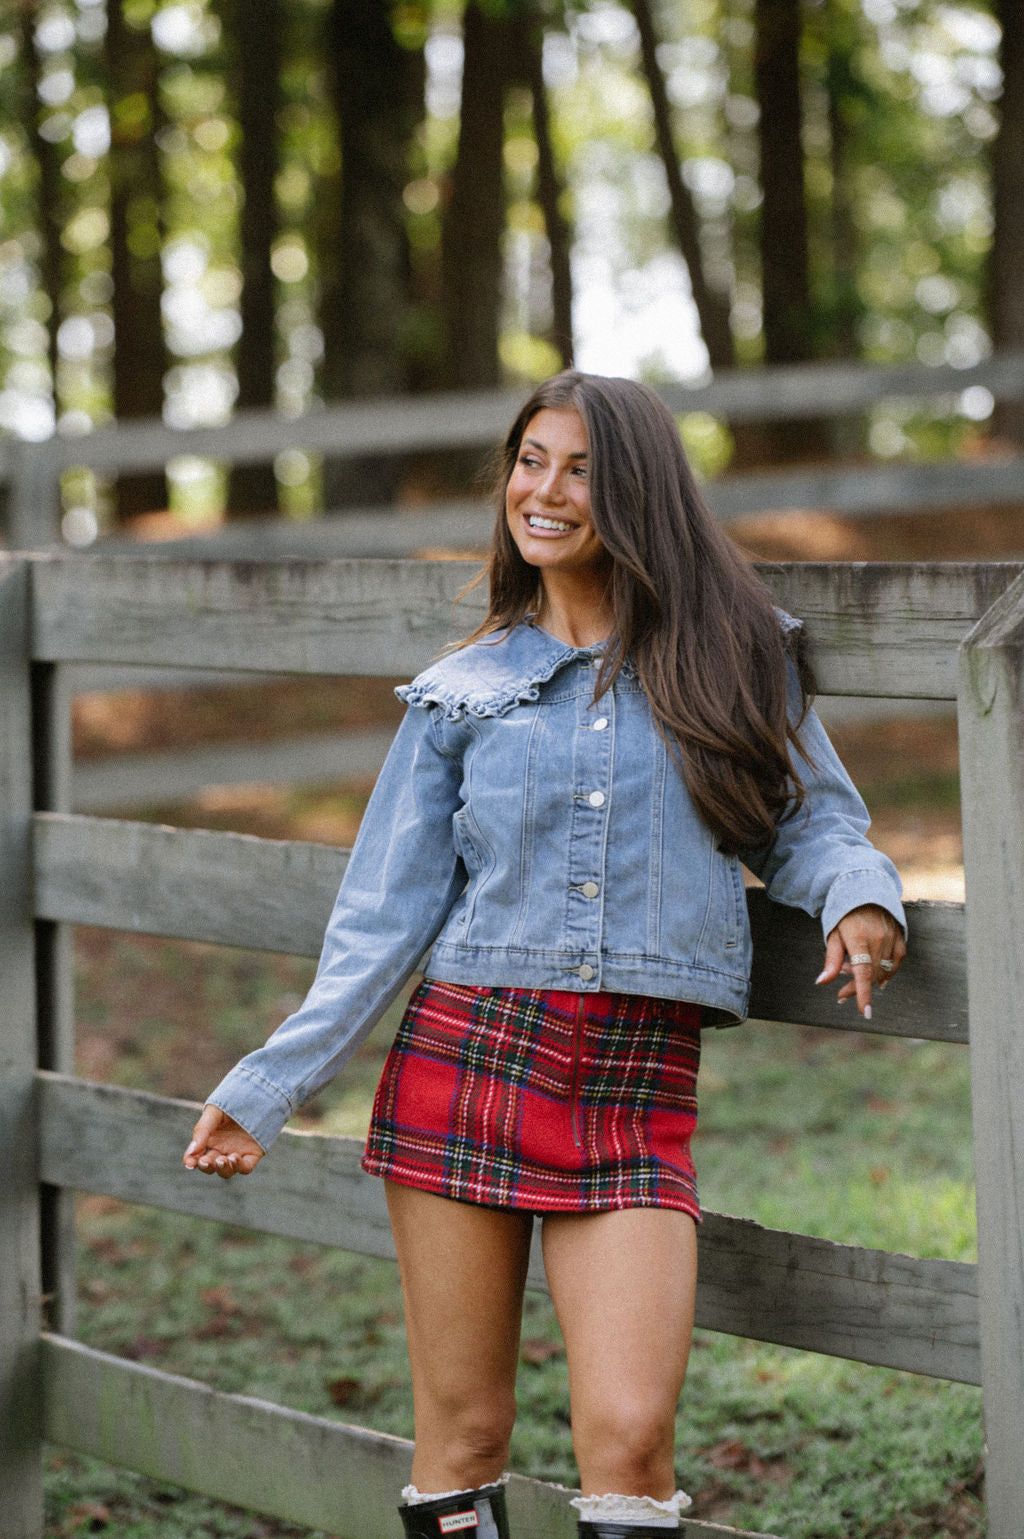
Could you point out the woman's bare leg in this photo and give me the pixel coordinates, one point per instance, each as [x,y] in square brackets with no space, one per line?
[623,1285]
[463,1271]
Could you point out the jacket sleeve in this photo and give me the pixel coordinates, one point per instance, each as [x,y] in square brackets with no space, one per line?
[821,859]
[402,878]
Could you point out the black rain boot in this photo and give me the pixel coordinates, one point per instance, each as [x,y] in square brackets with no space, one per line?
[478,1514]
[601,1530]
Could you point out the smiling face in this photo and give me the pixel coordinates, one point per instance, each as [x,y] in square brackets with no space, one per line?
[547,499]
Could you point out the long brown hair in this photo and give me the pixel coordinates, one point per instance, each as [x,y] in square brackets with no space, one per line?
[692,615]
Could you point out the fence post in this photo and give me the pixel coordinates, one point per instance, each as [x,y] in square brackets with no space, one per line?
[991,715]
[55,1005]
[20,1287]
[33,496]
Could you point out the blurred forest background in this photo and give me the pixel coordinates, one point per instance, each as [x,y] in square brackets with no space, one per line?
[211,205]
[214,206]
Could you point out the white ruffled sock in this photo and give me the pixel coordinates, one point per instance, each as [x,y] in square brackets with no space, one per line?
[643,1511]
[412,1496]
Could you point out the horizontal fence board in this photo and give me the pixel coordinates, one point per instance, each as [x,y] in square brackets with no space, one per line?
[869,490]
[306,1469]
[481,418]
[873,1306]
[858,491]
[888,629]
[119,782]
[144,779]
[381,533]
[389,425]
[380,618]
[286,1464]
[897,1311]
[277,895]
[927,999]
[189,884]
[835,389]
[879,629]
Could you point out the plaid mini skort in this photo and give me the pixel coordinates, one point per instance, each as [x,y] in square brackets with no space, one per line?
[544,1101]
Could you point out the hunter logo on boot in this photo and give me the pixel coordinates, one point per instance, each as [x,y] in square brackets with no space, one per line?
[456,1521]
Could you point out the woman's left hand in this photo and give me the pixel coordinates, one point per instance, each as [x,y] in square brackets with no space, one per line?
[867,944]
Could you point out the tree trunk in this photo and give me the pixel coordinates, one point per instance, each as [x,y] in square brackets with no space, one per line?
[475,217]
[785,263]
[257,39]
[49,200]
[838,38]
[366,302]
[550,186]
[840,85]
[712,307]
[136,196]
[785,275]
[1006,292]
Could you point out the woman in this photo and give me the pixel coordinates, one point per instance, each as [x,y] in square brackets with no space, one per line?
[560,823]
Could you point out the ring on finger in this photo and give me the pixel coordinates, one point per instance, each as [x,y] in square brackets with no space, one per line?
[886,966]
[861,959]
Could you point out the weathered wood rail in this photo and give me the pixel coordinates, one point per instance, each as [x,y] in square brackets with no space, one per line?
[30,476]
[928,632]
[30,472]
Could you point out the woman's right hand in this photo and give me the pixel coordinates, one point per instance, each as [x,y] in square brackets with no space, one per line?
[220,1147]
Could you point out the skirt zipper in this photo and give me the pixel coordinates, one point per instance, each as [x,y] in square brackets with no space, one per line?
[577,1137]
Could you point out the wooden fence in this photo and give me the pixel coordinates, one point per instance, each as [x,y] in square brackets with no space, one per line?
[30,472]
[938,632]
[30,480]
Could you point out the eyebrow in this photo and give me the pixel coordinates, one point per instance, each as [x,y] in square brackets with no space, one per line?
[580,454]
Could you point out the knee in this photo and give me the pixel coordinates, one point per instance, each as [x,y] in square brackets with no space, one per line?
[478,1430]
[626,1448]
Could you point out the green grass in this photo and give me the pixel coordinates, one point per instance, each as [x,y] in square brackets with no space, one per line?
[859,1139]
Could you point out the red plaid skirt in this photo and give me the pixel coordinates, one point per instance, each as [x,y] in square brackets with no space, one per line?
[545,1101]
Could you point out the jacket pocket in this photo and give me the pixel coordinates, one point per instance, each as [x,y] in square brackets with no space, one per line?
[724,929]
[736,904]
[476,855]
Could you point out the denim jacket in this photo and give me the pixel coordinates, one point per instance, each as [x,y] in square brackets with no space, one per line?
[524,836]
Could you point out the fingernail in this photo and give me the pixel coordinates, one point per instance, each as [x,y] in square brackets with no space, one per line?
[867,1012]
[193,1146]
[843,1000]
[820,978]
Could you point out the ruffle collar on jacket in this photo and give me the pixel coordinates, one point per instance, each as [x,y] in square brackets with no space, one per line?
[507,669]
[495,674]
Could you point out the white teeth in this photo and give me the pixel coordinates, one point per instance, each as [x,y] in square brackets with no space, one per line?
[536,522]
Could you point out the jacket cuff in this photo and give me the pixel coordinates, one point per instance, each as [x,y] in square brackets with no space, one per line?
[855,888]
[258,1106]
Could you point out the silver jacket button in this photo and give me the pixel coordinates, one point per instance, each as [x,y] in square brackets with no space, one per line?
[590,889]
[600,724]
[596,798]
[586,972]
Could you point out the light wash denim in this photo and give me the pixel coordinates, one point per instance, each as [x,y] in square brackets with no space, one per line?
[525,836]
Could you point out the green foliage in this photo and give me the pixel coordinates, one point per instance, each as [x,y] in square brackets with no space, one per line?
[707,441]
[900,104]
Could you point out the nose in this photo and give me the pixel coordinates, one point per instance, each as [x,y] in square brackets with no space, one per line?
[550,488]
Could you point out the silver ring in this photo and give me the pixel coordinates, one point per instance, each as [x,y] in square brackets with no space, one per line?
[887,967]
[861,959]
